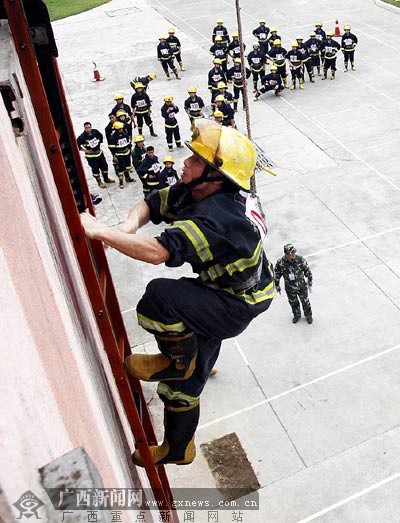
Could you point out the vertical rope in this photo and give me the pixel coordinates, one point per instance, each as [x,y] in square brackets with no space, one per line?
[253,188]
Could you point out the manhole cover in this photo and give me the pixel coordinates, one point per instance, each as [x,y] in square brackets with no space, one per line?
[123,12]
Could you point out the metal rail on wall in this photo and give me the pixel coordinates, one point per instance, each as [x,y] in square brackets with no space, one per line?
[60,145]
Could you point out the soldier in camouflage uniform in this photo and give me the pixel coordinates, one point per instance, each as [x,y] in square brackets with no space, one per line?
[294,270]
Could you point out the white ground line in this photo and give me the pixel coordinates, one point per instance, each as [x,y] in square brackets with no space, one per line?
[217,15]
[352,242]
[129,310]
[380,41]
[333,137]
[350,498]
[300,387]
[352,77]
[239,348]
[378,145]
[182,20]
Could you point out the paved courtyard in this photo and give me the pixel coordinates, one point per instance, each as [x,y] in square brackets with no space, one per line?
[316,408]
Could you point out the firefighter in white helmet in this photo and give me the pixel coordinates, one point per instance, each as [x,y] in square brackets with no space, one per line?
[189,317]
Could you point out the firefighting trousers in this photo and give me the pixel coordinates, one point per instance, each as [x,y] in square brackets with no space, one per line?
[140,117]
[185,305]
[282,71]
[330,63]
[166,63]
[297,72]
[97,164]
[170,134]
[349,55]
[315,60]
[256,75]
[124,163]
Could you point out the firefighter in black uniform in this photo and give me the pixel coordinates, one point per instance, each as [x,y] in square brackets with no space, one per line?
[120,145]
[321,36]
[168,176]
[108,132]
[139,151]
[123,117]
[256,61]
[141,108]
[189,317]
[89,142]
[145,80]
[305,58]
[215,75]
[278,56]
[313,45]
[349,42]
[272,82]
[295,65]
[235,75]
[219,116]
[234,47]
[220,30]
[223,89]
[175,46]
[272,37]
[168,112]
[194,105]
[261,33]
[149,171]
[228,115]
[165,55]
[331,48]
[119,98]
[220,50]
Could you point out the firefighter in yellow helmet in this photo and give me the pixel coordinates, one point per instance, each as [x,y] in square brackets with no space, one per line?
[221,30]
[175,45]
[194,104]
[349,43]
[208,228]
[166,57]
[331,49]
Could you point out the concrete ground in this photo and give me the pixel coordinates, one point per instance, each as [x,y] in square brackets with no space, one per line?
[316,407]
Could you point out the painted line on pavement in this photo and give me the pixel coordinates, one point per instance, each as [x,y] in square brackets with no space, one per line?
[384,144]
[352,242]
[351,498]
[129,310]
[163,6]
[300,387]
[239,348]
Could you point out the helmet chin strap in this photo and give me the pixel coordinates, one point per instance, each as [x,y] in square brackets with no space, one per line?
[204,178]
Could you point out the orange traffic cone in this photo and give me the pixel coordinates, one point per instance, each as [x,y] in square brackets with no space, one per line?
[96,74]
[337,29]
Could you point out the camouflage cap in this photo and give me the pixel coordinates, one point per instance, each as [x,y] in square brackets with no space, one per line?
[289,247]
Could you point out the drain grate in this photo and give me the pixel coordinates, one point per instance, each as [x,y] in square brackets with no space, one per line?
[262,158]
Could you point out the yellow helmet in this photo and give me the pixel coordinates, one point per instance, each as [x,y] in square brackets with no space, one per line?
[162,37]
[138,138]
[318,24]
[217,61]
[218,38]
[220,98]
[237,61]
[118,125]
[299,38]
[295,44]
[329,33]
[274,67]
[347,28]
[192,90]
[235,35]
[139,85]
[119,96]
[120,112]
[153,76]
[273,30]
[277,42]
[168,98]
[171,31]
[219,21]
[221,85]
[226,149]
[262,21]
[218,114]
[168,158]
[313,34]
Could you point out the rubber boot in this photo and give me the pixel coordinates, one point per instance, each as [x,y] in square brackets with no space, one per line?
[293,85]
[151,131]
[140,130]
[177,361]
[353,67]
[256,96]
[285,84]
[346,68]
[324,75]
[175,71]
[319,70]
[178,446]
[311,77]
[295,319]
[254,87]
[235,104]
[101,184]
[168,76]
[182,66]
[301,84]
[128,177]
[332,75]
[107,179]
[121,181]
[179,145]
[309,320]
